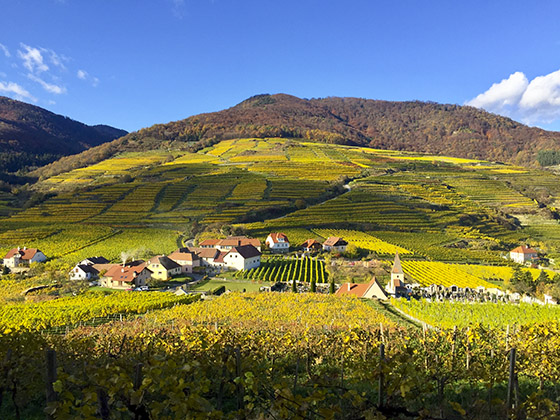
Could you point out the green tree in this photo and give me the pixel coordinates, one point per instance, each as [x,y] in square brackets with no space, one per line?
[331,288]
[543,277]
[313,286]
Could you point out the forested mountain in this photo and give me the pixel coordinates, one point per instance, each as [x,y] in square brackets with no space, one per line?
[453,130]
[33,136]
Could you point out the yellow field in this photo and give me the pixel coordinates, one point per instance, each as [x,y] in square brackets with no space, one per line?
[431,272]
[363,240]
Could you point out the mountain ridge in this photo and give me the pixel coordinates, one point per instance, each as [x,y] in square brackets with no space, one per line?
[31,135]
[427,127]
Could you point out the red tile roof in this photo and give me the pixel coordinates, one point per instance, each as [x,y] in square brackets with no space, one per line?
[209,242]
[278,237]
[205,252]
[220,257]
[335,241]
[165,262]
[524,250]
[26,253]
[360,290]
[231,241]
[183,254]
[311,243]
[126,273]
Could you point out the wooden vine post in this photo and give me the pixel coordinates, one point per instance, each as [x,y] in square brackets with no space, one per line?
[51,377]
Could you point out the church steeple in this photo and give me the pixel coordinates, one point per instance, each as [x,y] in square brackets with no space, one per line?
[397,277]
[397,267]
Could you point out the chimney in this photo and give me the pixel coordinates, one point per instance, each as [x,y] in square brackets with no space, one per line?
[24,248]
[18,248]
[122,270]
[348,286]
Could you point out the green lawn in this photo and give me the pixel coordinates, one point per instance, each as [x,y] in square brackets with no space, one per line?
[232,285]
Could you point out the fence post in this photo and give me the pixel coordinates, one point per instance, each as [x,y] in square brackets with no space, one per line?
[103,401]
[238,375]
[137,376]
[381,396]
[51,376]
[511,381]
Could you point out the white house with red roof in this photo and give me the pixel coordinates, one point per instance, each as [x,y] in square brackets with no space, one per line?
[523,254]
[230,242]
[312,245]
[242,257]
[126,276]
[278,242]
[17,257]
[334,243]
[186,259]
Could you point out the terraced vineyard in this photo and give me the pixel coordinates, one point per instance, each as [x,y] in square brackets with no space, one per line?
[303,269]
[489,314]
[442,209]
[363,240]
[428,272]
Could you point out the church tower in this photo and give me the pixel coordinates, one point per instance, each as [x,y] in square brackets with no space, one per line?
[397,276]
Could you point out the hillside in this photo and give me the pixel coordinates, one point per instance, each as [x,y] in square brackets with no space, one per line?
[33,136]
[451,130]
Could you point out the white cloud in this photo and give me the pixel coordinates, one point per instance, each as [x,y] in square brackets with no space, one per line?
[49,87]
[532,102]
[5,50]
[84,75]
[502,95]
[55,59]
[32,59]
[18,91]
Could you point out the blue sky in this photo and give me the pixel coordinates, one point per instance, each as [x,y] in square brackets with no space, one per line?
[132,64]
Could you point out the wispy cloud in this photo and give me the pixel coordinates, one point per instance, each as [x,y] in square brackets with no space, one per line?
[49,87]
[533,102]
[32,59]
[84,75]
[5,50]
[18,91]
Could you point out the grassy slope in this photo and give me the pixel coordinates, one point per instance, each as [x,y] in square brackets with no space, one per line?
[438,208]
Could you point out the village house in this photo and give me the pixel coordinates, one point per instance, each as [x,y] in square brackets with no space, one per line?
[186,259]
[163,268]
[242,257]
[126,276]
[278,242]
[18,257]
[365,290]
[230,242]
[84,272]
[90,268]
[311,245]
[336,244]
[523,254]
